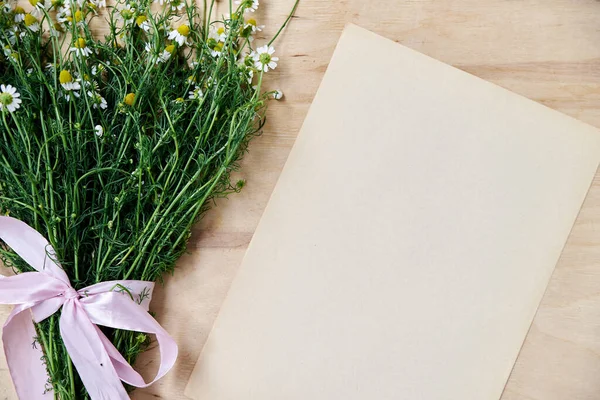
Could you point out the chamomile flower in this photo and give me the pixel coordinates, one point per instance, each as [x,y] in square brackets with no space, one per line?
[12,35]
[263,58]
[177,5]
[217,49]
[63,16]
[195,94]
[99,3]
[98,130]
[253,26]
[80,48]
[249,5]
[217,34]
[161,2]
[127,14]
[79,18]
[70,86]
[97,100]
[19,14]
[166,54]
[180,34]
[278,94]
[40,4]
[142,22]
[32,23]
[9,98]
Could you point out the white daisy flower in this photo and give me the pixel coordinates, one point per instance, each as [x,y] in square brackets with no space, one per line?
[180,34]
[32,23]
[70,86]
[40,4]
[98,100]
[99,3]
[166,54]
[177,5]
[216,50]
[19,14]
[63,16]
[251,23]
[195,94]
[278,95]
[9,98]
[94,70]
[7,7]
[218,34]
[127,14]
[12,35]
[98,130]
[263,58]
[79,18]
[80,48]
[250,5]
[142,22]
[161,2]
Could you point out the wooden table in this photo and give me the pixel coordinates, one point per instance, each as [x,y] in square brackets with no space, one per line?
[547,50]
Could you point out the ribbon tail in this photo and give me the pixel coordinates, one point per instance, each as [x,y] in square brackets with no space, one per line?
[89,355]
[125,371]
[24,356]
[117,311]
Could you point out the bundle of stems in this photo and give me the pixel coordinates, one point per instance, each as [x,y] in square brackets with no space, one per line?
[113,148]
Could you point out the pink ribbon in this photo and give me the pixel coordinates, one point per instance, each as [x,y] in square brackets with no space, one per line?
[99,364]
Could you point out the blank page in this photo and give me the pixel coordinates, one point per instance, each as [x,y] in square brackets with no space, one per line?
[408,242]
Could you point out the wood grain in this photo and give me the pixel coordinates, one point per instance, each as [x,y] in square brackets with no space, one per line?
[547,50]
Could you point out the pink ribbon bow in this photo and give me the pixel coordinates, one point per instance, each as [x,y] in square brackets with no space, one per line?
[99,364]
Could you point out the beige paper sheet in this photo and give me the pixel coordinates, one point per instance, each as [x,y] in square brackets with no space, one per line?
[408,242]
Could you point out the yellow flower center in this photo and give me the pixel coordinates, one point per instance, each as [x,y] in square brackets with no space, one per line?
[264,58]
[126,14]
[6,98]
[170,48]
[30,19]
[140,20]
[19,10]
[218,47]
[221,30]
[34,2]
[252,22]
[70,19]
[80,43]
[78,16]
[184,30]
[65,76]
[129,99]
